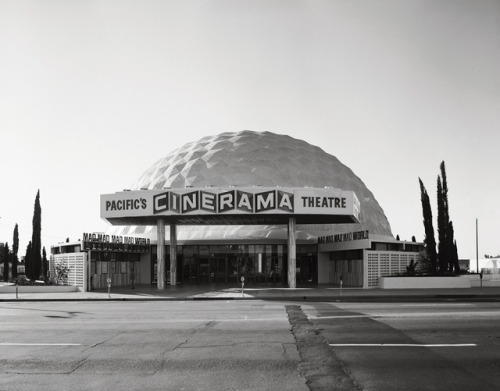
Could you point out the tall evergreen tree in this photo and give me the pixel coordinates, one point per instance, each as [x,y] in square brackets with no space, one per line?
[36,245]
[45,263]
[452,250]
[15,249]
[429,241]
[449,229]
[28,261]
[6,259]
[448,255]
[442,228]
[445,192]
[455,257]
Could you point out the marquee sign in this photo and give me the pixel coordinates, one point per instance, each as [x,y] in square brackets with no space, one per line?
[344,237]
[110,243]
[229,201]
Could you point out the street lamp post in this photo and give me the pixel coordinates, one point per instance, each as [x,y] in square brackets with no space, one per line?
[477,250]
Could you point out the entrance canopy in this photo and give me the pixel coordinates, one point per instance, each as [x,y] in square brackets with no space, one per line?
[231,206]
[228,206]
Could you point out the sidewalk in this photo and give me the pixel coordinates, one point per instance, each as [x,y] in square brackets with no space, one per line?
[320,293]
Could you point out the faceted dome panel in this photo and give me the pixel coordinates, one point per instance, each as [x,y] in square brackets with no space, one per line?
[251,158]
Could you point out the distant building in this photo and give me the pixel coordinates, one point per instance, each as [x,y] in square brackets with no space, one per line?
[21,266]
[464,264]
[486,265]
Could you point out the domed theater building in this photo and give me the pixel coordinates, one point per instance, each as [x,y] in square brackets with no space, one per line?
[254,206]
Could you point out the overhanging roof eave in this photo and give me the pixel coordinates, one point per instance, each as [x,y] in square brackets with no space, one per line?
[264,219]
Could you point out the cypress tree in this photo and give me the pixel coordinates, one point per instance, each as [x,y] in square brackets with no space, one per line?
[6,262]
[449,229]
[445,193]
[442,228]
[448,254]
[45,264]
[36,245]
[28,261]
[452,249]
[15,249]
[429,241]
[455,257]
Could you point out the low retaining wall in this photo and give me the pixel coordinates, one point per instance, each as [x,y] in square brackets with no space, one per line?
[38,289]
[423,282]
[488,280]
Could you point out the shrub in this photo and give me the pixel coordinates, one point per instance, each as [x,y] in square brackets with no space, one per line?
[411,269]
[23,280]
[62,272]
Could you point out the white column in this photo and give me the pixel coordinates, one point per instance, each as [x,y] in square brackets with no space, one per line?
[160,254]
[292,256]
[89,271]
[173,254]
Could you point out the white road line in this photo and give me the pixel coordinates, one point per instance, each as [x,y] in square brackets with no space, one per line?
[39,344]
[438,305]
[246,318]
[342,316]
[440,314]
[441,345]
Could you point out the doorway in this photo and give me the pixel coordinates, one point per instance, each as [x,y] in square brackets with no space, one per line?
[218,269]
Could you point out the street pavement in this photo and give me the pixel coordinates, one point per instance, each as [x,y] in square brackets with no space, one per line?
[272,338]
[217,292]
[412,346]
[134,345]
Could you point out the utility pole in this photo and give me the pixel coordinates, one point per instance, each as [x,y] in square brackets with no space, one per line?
[477,250]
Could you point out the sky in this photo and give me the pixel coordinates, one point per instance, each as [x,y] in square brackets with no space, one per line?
[92,93]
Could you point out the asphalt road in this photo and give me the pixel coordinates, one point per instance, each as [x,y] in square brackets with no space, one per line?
[414,346]
[211,345]
[249,345]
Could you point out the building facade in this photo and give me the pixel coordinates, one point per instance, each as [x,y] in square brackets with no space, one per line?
[255,205]
[354,259]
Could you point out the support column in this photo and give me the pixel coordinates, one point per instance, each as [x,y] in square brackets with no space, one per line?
[89,271]
[160,254]
[173,254]
[292,254]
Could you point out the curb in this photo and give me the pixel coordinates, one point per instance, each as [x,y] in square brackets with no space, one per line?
[384,298]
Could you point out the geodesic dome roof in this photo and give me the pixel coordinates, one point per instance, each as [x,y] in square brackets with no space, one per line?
[250,158]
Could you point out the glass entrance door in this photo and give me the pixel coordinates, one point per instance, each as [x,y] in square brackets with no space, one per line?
[204,271]
[204,265]
[218,270]
[189,259]
[258,264]
[306,269]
